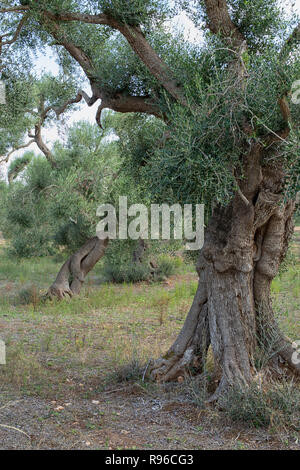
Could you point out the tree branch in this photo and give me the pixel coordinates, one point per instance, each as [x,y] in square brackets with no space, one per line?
[81,94]
[83,17]
[118,102]
[42,146]
[284,108]
[17,32]
[5,158]
[16,9]
[123,103]
[220,22]
[75,51]
[292,40]
[43,113]
[281,135]
[37,136]
[136,40]
[153,62]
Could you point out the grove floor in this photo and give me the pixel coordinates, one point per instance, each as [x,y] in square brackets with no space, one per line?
[74,372]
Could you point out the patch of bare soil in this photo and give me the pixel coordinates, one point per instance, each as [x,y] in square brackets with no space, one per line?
[126,417]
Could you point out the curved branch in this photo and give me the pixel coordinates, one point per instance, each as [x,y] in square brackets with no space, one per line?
[43,147]
[36,137]
[75,51]
[136,40]
[15,149]
[83,17]
[123,103]
[284,108]
[220,22]
[17,32]
[81,94]
[280,135]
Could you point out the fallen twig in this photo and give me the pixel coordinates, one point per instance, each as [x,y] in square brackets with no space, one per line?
[14,429]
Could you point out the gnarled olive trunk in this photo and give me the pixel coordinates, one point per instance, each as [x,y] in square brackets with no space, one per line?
[72,274]
[245,243]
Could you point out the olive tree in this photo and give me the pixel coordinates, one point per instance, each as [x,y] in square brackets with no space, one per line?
[229,138]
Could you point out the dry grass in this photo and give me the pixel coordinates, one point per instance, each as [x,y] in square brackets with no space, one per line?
[95,347]
[286,292]
[91,335]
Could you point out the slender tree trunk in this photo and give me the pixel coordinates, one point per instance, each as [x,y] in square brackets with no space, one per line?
[140,250]
[245,243]
[72,274]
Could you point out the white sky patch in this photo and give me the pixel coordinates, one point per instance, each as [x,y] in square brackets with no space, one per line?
[184,25]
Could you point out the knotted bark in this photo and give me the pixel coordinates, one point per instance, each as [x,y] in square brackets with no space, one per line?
[245,243]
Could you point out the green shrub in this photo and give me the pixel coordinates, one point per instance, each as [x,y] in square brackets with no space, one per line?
[279,405]
[31,242]
[28,295]
[18,165]
[130,372]
[128,272]
[248,406]
[166,267]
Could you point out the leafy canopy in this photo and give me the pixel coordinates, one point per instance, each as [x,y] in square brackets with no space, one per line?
[195,152]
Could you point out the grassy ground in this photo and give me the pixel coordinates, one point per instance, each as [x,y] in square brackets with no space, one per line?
[74,369]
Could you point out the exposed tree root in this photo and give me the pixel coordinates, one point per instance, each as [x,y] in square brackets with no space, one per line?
[232,308]
[188,353]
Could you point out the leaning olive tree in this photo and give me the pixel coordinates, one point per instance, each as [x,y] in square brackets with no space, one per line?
[230,139]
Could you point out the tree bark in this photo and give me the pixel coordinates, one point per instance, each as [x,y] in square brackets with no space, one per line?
[140,250]
[72,274]
[245,243]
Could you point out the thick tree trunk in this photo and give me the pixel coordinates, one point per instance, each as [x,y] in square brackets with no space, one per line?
[72,274]
[245,243]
